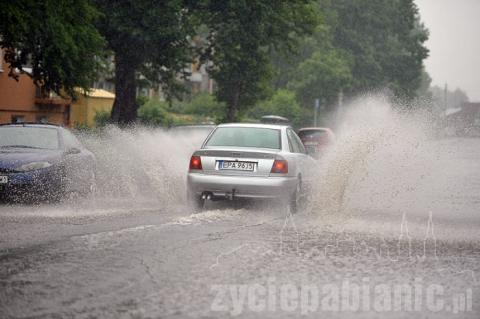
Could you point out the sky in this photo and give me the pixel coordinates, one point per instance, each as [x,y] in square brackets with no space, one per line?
[454,43]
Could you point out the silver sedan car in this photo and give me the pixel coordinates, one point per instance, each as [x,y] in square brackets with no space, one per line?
[256,161]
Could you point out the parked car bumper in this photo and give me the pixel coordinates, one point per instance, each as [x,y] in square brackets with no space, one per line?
[46,181]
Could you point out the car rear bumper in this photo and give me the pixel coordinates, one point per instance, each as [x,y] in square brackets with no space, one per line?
[241,186]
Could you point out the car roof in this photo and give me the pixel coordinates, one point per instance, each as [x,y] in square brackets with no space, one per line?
[187,126]
[314,129]
[28,124]
[274,119]
[258,125]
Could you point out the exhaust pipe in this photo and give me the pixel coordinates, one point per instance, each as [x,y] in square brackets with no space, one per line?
[206,195]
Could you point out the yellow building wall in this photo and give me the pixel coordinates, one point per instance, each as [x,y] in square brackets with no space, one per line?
[78,111]
[84,109]
[96,105]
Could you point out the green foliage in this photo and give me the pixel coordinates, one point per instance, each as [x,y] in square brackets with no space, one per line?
[322,75]
[202,108]
[147,37]
[423,91]
[359,45]
[242,33]
[315,48]
[102,118]
[449,98]
[282,103]
[56,38]
[154,113]
[141,99]
[204,104]
[385,41]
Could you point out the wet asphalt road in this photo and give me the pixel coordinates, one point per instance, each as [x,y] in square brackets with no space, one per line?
[140,258]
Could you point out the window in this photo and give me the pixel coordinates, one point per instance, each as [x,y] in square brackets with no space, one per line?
[256,137]
[300,146]
[312,133]
[292,146]
[18,119]
[42,119]
[294,142]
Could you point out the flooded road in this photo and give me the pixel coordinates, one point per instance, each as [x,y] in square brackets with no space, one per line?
[392,230]
[123,258]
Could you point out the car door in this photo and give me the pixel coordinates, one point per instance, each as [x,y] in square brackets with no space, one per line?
[303,161]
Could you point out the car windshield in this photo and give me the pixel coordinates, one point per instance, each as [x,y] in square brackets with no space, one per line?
[28,137]
[255,137]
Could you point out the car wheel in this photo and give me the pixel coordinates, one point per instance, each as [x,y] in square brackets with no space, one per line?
[90,186]
[195,202]
[295,199]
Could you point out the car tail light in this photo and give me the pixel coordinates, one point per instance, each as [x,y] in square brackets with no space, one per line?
[280,166]
[195,162]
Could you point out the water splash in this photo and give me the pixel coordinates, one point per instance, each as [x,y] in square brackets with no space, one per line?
[142,163]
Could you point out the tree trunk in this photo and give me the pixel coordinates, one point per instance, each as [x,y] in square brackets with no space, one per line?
[232,107]
[125,107]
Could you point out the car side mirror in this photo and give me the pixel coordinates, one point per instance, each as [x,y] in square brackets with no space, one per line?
[72,151]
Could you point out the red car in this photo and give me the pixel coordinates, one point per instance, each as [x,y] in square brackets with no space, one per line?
[316,139]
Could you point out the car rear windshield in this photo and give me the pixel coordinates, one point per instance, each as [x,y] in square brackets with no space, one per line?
[312,133]
[28,137]
[255,137]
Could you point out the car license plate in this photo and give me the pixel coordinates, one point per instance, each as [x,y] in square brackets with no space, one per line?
[235,165]
[3,179]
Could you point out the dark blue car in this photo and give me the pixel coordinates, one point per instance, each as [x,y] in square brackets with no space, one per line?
[43,160]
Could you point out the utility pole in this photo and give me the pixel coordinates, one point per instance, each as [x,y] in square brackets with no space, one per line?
[339,106]
[315,111]
[445,96]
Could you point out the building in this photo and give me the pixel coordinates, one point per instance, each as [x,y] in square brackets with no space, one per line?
[22,101]
[87,105]
[464,119]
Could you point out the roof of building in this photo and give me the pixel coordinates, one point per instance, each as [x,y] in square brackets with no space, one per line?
[98,93]
[466,110]
[452,110]
[101,94]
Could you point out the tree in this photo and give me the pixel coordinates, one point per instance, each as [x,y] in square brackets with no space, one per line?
[148,38]
[154,113]
[204,104]
[56,38]
[360,45]
[282,103]
[385,40]
[323,76]
[423,91]
[242,34]
[444,98]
